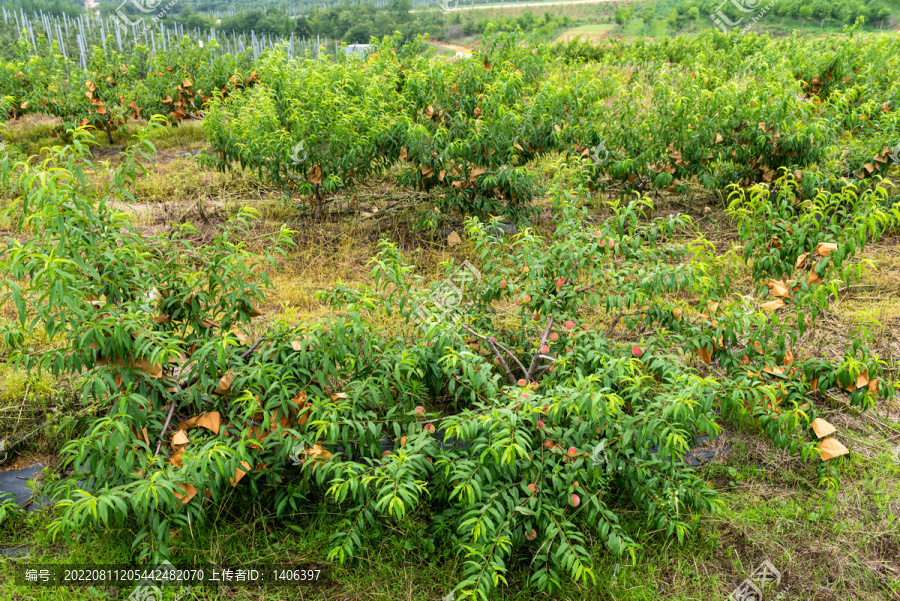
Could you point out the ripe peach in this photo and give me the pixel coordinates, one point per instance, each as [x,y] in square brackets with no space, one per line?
[533,534]
[420,411]
[526,299]
[576,500]
[525,270]
[522,382]
[545,350]
[503,284]
[429,427]
[532,488]
[554,337]
[570,324]
[637,351]
[385,454]
[403,440]
[525,395]
[540,425]
[572,452]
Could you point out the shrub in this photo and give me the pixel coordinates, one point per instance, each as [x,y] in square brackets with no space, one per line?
[151,325]
[509,411]
[312,125]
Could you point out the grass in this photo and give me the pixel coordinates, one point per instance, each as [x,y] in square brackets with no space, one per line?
[830,545]
[590,32]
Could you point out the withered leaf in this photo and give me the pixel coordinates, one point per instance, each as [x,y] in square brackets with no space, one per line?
[829,448]
[826,248]
[240,473]
[179,439]
[175,459]
[771,306]
[315,175]
[822,428]
[778,288]
[705,355]
[224,384]
[189,492]
[212,421]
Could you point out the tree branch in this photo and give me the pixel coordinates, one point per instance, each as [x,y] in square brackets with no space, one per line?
[538,355]
[187,384]
[506,350]
[615,322]
[509,376]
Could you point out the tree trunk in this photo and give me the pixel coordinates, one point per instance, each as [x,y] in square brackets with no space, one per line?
[319,208]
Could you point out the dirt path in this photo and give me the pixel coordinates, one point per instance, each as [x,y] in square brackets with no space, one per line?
[460,51]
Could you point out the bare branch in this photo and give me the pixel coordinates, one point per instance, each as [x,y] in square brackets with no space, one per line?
[537,356]
[509,376]
[506,350]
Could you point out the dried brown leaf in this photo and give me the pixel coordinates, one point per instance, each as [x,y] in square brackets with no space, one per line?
[822,428]
[829,448]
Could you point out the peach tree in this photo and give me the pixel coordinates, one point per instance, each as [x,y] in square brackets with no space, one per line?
[150,328]
[521,408]
[310,125]
[476,122]
[559,380]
